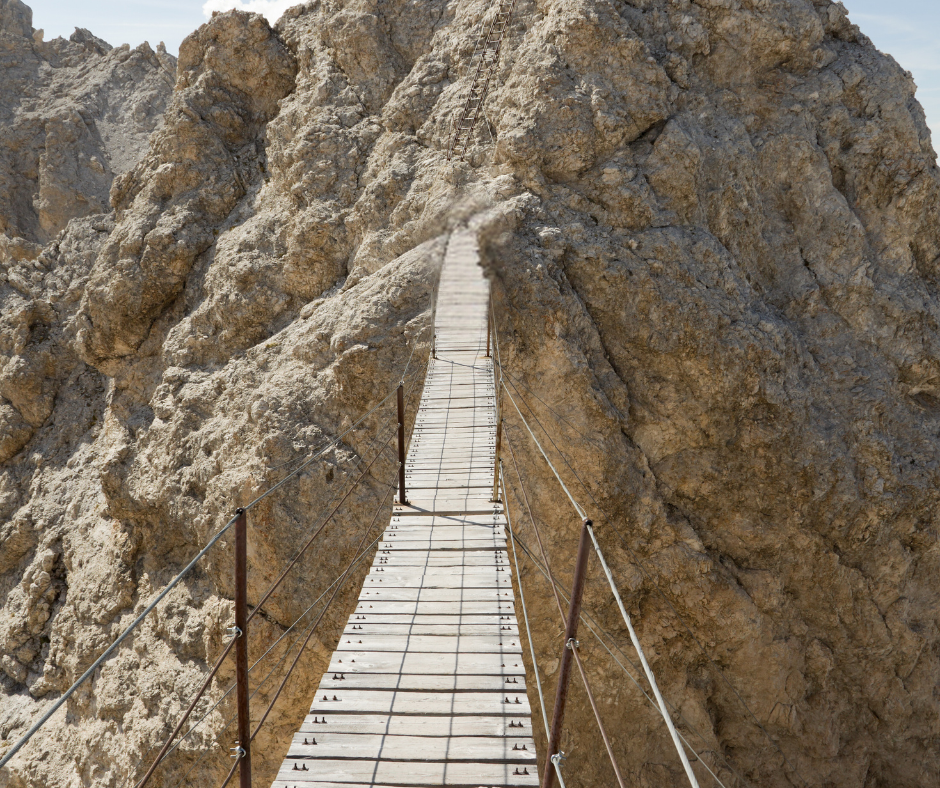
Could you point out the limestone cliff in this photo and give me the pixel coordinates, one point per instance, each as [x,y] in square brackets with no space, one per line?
[711,228]
[73,114]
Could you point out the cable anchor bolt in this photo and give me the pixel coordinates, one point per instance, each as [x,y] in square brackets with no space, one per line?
[573,644]
[559,758]
[239,752]
[233,632]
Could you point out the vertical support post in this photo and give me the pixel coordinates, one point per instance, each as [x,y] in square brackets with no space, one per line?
[243,748]
[401,444]
[488,330]
[571,633]
[499,441]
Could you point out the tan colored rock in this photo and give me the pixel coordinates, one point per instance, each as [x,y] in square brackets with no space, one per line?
[73,114]
[711,230]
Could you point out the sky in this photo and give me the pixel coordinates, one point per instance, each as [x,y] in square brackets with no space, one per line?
[907,29]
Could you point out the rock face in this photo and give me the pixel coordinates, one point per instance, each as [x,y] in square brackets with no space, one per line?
[711,229]
[73,114]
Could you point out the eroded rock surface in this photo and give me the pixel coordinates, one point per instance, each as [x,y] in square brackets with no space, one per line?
[73,114]
[711,229]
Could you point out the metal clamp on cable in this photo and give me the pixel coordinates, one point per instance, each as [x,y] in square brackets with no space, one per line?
[239,752]
[557,760]
[573,644]
[233,632]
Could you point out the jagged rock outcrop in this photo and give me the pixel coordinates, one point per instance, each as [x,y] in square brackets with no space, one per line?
[73,114]
[711,231]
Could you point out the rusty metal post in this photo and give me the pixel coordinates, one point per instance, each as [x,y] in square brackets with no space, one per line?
[243,745]
[571,633]
[499,441]
[488,329]
[401,444]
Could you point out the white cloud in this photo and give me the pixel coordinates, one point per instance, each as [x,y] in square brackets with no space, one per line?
[270,9]
[884,23]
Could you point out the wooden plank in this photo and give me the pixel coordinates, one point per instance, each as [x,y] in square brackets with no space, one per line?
[432,618]
[350,701]
[481,519]
[441,630]
[422,682]
[466,607]
[410,773]
[447,664]
[432,644]
[438,576]
[417,725]
[440,559]
[428,748]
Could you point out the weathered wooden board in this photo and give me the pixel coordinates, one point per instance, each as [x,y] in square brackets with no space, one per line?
[495,627]
[411,773]
[428,682]
[402,748]
[441,558]
[436,595]
[455,580]
[417,725]
[430,619]
[431,643]
[469,607]
[447,664]
[415,702]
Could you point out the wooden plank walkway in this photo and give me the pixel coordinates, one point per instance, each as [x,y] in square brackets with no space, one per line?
[427,684]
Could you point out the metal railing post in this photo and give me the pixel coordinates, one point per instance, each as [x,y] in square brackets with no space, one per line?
[499,441]
[564,674]
[401,444]
[243,745]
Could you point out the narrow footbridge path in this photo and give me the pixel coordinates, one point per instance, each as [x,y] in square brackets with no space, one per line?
[427,685]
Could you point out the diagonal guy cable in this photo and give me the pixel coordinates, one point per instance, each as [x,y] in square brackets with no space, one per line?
[664,711]
[94,666]
[591,623]
[665,598]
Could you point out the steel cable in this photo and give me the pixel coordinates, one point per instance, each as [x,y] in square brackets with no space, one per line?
[693,780]
[574,650]
[525,614]
[646,574]
[166,590]
[411,387]
[166,750]
[593,626]
[94,666]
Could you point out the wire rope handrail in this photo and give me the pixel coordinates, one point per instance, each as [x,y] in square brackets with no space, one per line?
[47,715]
[571,644]
[359,558]
[593,626]
[273,587]
[525,612]
[645,573]
[120,639]
[693,780]
[166,750]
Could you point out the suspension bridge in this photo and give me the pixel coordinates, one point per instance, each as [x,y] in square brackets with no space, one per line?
[427,686]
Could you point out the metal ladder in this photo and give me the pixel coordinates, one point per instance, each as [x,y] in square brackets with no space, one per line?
[485,58]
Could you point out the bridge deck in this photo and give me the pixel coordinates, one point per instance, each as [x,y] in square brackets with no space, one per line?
[427,685]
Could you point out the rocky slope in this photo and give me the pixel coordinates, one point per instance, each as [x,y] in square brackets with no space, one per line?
[711,230]
[73,114]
